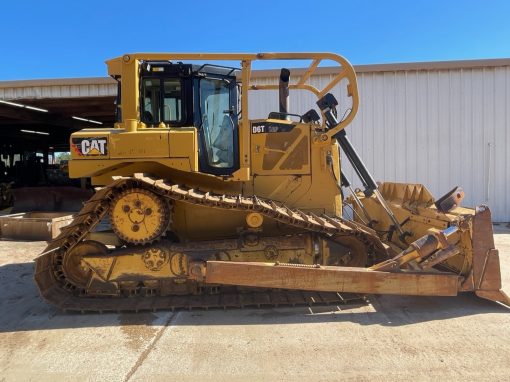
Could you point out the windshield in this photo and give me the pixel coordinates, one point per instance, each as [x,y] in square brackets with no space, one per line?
[217,123]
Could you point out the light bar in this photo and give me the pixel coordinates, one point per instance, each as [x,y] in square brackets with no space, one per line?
[36,108]
[35,132]
[24,106]
[87,120]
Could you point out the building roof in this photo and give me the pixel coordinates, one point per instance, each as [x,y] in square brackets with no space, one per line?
[390,67]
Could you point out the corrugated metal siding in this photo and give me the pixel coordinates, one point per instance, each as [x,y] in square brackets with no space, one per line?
[59,91]
[441,128]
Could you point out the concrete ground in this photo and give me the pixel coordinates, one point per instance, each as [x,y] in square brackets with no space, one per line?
[392,338]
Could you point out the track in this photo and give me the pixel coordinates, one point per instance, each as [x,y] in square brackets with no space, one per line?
[57,289]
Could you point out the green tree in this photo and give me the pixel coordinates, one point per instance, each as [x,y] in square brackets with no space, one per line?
[59,157]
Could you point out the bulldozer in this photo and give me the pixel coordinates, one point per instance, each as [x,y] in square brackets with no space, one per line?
[202,207]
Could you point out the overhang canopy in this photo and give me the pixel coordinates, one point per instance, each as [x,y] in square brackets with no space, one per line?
[42,113]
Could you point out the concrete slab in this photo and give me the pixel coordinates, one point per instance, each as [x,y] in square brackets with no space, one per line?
[393,338]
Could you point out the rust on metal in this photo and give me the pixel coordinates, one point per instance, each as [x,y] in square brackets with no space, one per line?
[331,279]
[56,286]
[66,290]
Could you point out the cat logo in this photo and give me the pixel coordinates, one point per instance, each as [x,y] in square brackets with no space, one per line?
[90,146]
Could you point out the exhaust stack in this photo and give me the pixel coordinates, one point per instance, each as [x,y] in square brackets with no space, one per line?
[283,90]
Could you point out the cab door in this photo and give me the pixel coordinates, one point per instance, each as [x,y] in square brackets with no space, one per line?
[218,125]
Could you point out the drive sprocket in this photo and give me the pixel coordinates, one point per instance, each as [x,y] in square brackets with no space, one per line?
[139,216]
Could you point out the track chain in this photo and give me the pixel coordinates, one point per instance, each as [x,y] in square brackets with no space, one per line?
[55,287]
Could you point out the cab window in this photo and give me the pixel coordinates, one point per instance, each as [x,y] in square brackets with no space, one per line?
[161,101]
[217,123]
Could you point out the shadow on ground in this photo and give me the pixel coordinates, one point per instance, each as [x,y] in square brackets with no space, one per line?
[23,310]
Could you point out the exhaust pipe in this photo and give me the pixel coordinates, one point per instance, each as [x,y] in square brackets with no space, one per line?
[283,90]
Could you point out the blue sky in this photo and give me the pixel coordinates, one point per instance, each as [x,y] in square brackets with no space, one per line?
[52,39]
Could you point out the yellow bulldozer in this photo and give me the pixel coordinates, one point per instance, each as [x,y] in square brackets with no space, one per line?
[201,207]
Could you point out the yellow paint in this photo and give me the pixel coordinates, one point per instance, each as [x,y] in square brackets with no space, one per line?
[254,219]
[148,143]
[183,144]
[138,216]
[299,168]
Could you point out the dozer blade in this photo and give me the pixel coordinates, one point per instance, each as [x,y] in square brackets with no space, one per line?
[331,279]
[486,271]
[390,277]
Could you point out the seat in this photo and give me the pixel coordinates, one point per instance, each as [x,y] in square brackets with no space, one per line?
[147,117]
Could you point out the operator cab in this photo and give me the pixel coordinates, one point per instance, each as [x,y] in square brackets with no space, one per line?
[205,97]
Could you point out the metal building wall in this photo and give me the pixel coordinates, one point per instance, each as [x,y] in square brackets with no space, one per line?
[57,88]
[441,124]
[439,127]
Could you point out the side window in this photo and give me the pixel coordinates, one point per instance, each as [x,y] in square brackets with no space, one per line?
[161,101]
[150,101]
[172,101]
[217,124]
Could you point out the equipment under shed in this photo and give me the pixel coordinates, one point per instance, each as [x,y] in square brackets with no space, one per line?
[37,117]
